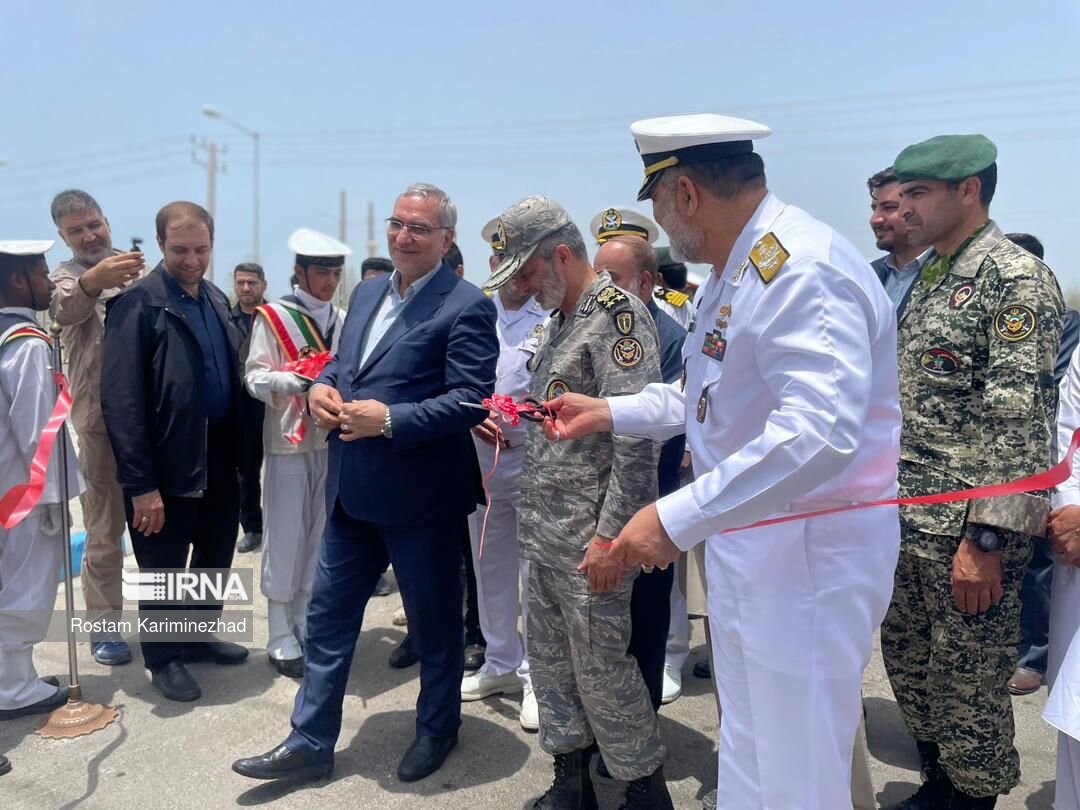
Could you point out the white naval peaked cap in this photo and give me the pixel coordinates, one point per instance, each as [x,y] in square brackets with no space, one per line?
[623,222]
[490,234]
[26,247]
[679,140]
[306,242]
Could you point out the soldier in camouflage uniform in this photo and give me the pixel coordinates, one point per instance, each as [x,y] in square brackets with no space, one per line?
[576,497]
[977,344]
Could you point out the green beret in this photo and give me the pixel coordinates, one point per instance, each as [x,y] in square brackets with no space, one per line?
[946,157]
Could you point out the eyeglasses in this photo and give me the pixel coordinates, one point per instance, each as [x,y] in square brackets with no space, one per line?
[418,229]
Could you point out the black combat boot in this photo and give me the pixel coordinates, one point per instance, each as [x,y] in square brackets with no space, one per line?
[572,788]
[965,801]
[648,793]
[935,793]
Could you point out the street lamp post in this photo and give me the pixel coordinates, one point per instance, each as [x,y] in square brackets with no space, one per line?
[213,112]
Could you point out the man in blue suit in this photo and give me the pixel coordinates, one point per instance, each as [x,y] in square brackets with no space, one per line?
[415,345]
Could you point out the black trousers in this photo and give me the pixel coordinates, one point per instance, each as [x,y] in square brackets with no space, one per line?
[204,527]
[650,614]
[473,634]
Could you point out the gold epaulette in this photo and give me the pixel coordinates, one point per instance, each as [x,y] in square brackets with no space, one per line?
[673,297]
[768,256]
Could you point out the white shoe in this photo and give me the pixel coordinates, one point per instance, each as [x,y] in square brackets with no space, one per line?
[672,685]
[400,619]
[480,685]
[282,644]
[530,714]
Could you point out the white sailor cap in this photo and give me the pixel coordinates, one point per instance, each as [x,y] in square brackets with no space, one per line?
[623,222]
[26,247]
[680,140]
[318,247]
[491,235]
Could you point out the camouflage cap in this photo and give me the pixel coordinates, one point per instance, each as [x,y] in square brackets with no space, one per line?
[520,228]
[946,157]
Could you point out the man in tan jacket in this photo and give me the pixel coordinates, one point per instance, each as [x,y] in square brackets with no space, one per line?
[93,275]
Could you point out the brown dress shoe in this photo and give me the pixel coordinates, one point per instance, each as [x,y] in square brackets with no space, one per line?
[1025,681]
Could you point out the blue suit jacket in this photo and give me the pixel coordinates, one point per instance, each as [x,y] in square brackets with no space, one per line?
[441,350]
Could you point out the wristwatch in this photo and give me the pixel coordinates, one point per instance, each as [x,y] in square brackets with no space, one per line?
[985,539]
[387,428]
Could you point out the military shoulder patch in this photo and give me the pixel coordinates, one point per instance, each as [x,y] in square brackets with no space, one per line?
[1014,323]
[768,256]
[556,388]
[617,303]
[627,352]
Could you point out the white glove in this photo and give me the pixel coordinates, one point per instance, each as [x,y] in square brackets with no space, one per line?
[287,384]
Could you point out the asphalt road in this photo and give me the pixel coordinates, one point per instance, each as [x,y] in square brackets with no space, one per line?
[175,756]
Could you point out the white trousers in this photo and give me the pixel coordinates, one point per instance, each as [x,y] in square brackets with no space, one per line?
[1062,709]
[792,612]
[294,516]
[31,555]
[502,578]
[678,639]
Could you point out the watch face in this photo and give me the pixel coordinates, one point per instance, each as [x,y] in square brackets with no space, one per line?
[988,541]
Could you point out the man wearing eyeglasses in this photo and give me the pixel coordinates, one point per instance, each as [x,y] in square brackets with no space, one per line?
[415,345]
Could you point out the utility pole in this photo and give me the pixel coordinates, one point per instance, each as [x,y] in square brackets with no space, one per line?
[212,171]
[344,289]
[370,229]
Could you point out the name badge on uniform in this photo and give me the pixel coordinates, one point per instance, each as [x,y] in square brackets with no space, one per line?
[715,345]
[703,404]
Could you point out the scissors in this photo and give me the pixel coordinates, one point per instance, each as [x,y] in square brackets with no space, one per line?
[534,412]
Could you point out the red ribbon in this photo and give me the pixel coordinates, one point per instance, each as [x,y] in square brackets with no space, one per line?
[21,498]
[308,365]
[509,410]
[1048,479]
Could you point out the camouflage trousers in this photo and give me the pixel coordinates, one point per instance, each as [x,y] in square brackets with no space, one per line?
[586,684]
[949,671]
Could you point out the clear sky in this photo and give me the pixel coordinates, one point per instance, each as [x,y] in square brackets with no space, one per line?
[497,101]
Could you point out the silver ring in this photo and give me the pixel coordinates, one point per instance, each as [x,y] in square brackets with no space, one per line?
[145,519]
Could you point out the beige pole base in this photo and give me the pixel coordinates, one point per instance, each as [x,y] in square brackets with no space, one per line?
[77,719]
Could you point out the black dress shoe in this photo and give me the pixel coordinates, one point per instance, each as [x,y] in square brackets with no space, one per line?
[425,756]
[403,655]
[281,763]
[289,667]
[475,656]
[249,542]
[175,682]
[216,652]
[41,707]
[5,765]
[703,669]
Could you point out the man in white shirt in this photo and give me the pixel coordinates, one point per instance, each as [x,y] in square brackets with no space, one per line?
[789,403]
